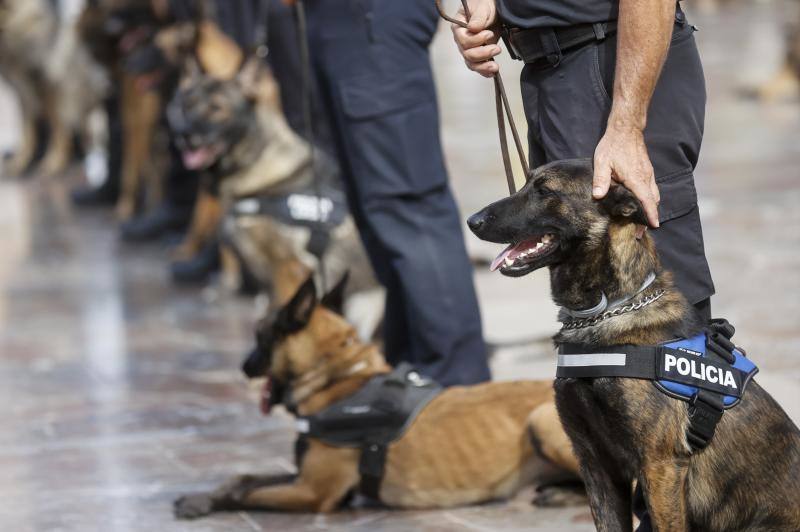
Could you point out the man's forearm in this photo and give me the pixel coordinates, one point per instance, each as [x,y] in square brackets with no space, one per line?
[644,33]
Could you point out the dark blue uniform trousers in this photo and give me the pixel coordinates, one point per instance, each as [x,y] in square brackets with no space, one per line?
[371,58]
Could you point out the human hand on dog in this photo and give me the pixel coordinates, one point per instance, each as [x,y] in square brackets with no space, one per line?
[622,156]
[478,41]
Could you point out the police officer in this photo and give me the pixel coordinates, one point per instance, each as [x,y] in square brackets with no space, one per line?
[619,80]
[371,58]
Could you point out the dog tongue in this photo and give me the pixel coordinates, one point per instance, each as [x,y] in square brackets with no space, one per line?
[266,394]
[501,257]
[196,159]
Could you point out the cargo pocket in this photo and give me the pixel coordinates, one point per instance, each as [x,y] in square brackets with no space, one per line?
[678,195]
[393,130]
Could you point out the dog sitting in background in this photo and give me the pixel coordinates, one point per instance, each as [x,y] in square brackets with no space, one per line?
[467,444]
[283,210]
[747,477]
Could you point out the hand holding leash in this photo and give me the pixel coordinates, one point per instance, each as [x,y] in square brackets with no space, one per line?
[476,37]
[486,16]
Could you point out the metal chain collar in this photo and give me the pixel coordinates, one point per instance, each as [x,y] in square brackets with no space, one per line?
[588,322]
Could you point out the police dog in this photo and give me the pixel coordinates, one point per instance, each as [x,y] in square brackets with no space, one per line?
[468,445]
[57,83]
[625,430]
[234,130]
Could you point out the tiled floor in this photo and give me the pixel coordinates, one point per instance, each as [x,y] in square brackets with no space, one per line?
[119,392]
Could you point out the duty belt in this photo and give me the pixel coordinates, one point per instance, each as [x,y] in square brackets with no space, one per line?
[708,371]
[535,44]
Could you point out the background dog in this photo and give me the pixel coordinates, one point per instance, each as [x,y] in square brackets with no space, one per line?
[625,430]
[468,445]
[56,81]
[234,130]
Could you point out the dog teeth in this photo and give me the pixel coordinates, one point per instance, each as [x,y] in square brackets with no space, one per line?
[546,238]
[508,262]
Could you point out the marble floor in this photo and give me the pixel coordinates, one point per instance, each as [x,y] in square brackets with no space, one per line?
[119,391]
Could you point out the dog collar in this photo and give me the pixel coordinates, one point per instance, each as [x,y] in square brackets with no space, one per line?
[707,370]
[604,305]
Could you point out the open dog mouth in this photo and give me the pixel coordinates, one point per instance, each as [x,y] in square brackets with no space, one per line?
[518,258]
[201,157]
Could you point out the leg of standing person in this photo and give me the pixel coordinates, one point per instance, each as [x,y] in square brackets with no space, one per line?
[567,107]
[372,58]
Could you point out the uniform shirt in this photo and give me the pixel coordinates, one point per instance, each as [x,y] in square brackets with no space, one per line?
[555,13]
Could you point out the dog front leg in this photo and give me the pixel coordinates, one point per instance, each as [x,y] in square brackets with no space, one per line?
[609,498]
[665,492]
[226,497]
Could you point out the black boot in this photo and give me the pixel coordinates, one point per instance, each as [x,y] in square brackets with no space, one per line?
[156,223]
[199,268]
[87,196]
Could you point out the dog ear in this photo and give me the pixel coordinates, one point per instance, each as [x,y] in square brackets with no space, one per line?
[334,299]
[298,310]
[250,75]
[621,203]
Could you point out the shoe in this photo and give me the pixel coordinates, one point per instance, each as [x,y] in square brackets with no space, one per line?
[155,224]
[199,268]
[88,196]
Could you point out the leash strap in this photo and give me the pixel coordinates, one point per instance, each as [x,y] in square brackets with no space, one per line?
[305,62]
[503,111]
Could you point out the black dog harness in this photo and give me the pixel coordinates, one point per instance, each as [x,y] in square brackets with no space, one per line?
[320,213]
[372,418]
[708,371]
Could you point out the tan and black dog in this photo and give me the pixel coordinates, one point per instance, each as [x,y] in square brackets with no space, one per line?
[623,429]
[56,80]
[235,131]
[468,445]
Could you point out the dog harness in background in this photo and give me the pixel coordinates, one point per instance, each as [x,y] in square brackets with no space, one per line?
[372,418]
[318,210]
[708,371]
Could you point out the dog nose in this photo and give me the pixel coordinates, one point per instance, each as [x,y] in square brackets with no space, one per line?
[479,220]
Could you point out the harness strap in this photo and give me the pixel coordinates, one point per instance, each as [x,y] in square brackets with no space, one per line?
[503,109]
[650,363]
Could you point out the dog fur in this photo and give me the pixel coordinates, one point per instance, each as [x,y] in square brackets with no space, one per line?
[470,444]
[625,430]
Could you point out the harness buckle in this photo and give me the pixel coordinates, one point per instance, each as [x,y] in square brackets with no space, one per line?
[599,30]
[705,411]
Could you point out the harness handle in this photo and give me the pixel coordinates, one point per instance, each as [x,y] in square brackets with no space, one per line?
[502,107]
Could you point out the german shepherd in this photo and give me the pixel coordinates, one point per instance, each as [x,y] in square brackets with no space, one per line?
[625,430]
[235,131]
[468,445]
[56,80]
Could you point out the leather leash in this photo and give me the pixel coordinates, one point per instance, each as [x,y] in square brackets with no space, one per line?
[502,107]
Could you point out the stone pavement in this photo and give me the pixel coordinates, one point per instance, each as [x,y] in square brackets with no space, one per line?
[120,391]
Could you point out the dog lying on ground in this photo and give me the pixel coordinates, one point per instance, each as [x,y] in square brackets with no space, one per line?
[624,429]
[467,445]
[56,81]
[283,210]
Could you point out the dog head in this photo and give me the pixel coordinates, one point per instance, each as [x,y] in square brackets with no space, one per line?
[210,116]
[304,346]
[554,219]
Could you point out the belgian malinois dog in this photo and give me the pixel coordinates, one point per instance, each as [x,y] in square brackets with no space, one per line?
[469,444]
[235,131]
[626,430]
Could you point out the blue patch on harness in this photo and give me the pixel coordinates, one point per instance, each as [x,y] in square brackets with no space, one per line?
[690,365]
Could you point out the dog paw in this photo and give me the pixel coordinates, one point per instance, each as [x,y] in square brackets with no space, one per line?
[558,496]
[193,506]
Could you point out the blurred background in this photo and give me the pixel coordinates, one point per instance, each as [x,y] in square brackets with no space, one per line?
[119,382]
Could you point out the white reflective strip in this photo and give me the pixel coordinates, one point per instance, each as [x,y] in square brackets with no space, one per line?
[302,426]
[592,359]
